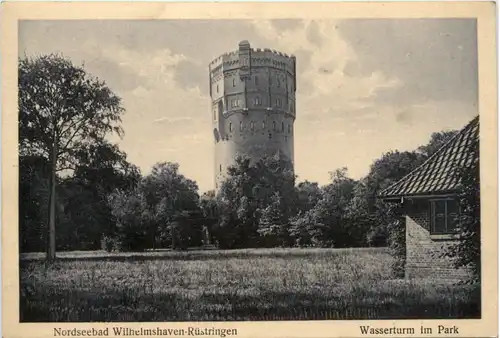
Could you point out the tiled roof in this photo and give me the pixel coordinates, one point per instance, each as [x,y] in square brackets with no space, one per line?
[438,174]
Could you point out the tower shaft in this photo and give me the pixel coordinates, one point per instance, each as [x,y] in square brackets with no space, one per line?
[253,106]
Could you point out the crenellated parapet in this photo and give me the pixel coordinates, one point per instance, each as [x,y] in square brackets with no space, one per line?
[257,58]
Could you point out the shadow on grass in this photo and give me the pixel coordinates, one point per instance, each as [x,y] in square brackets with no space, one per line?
[290,253]
[55,305]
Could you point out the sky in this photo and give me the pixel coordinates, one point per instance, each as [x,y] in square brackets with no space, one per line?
[364,86]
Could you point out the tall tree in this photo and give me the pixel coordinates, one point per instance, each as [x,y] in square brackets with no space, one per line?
[62,109]
[250,191]
[101,169]
[436,141]
[308,194]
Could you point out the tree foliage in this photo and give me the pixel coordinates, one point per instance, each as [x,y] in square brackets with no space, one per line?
[466,252]
[62,110]
[159,212]
[251,193]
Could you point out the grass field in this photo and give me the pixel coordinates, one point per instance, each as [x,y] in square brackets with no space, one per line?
[271,284]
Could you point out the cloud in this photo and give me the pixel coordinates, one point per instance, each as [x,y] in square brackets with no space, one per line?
[166,119]
[324,86]
[364,86]
[436,59]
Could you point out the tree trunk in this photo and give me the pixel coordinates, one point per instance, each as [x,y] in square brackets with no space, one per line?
[51,248]
[174,234]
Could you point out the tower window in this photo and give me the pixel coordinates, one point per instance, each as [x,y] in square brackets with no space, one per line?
[234,82]
[278,82]
[263,124]
[256,80]
[278,102]
[289,129]
[215,115]
[231,127]
[241,126]
[282,126]
[257,101]
[274,125]
[251,125]
[217,88]
[235,103]
[220,167]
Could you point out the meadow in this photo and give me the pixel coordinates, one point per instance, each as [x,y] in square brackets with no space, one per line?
[257,284]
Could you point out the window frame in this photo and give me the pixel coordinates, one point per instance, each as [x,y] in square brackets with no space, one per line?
[447,216]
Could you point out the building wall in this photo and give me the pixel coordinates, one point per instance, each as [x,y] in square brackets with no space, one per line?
[253,106]
[423,253]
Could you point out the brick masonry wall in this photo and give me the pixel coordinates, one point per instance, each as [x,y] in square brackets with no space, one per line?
[423,254]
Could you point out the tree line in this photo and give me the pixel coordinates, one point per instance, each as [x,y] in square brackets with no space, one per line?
[78,191]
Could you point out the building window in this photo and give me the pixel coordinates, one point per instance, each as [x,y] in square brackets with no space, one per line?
[251,126]
[278,82]
[282,126]
[217,88]
[235,103]
[256,80]
[443,216]
[241,126]
[274,125]
[234,82]
[230,126]
[278,102]
[215,115]
[263,124]
[257,101]
[289,129]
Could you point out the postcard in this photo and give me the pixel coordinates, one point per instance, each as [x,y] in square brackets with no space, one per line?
[249,169]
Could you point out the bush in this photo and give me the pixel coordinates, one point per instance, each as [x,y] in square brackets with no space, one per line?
[397,240]
[109,244]
[466,253]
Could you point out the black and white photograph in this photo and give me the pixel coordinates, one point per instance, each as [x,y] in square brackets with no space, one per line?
[235,170]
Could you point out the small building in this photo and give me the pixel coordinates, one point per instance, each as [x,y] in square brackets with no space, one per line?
[428,197]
